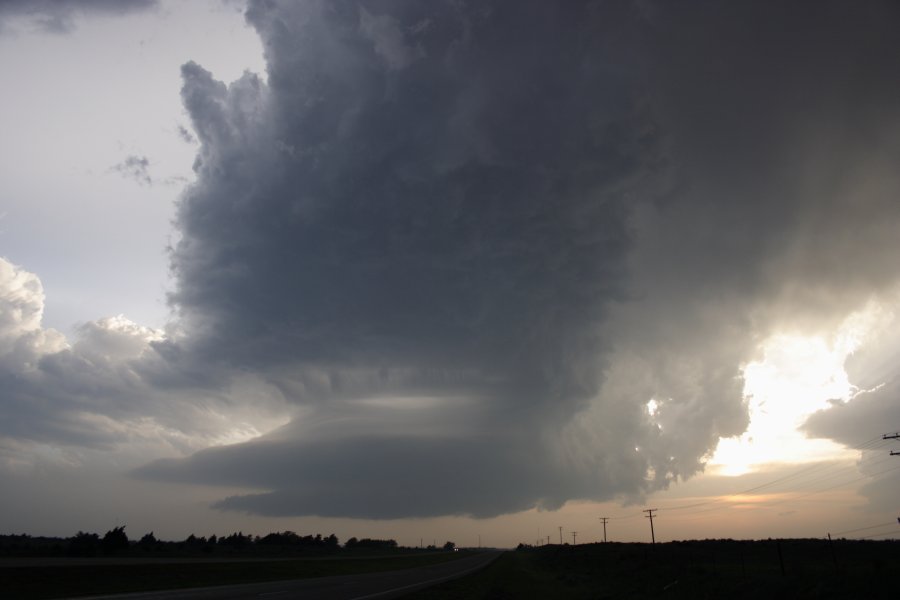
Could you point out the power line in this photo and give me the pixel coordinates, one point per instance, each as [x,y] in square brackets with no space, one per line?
[801,473]
[625,518]
[725,505]
[863,528]
[874,535]
[721,503]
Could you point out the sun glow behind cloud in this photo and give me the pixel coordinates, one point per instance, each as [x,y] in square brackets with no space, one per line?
[797,376]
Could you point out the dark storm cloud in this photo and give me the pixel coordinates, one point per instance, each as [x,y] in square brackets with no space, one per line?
[869,414]
[59,16]
[372,477]
[426,200]
[785,126]
[546,213]
[462,213]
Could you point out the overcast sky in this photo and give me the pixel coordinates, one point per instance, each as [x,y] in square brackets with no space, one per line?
[446,269]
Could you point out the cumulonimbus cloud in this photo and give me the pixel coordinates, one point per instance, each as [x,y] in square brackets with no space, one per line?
[454,203]
[461,246]
[430,202]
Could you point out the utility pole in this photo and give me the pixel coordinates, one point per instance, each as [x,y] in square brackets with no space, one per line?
[650,515]
[574,533]
[892,436]
[604,519]
[560,535]
[833,555]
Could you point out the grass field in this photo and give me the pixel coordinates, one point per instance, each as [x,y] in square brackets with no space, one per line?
[695,569]
[41,582]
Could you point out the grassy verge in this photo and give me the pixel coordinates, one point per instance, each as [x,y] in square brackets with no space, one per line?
[42,582]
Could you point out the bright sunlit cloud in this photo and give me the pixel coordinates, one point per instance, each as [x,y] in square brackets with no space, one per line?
[797,376]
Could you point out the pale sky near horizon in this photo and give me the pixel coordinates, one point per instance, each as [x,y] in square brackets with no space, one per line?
[437,271]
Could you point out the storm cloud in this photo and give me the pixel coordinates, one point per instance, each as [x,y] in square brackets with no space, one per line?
[425,201]
[538,216]
[478,257]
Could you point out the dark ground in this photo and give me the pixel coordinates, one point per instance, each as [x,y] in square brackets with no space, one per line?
[694,569]
[769,569]
[27,580]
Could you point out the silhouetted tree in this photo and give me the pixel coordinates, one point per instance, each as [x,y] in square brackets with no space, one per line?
[192,541]
[370,543]
[288,538]
[148,539]
[115,541]
[148,542]
[450,546]
[84,544]
[236,540]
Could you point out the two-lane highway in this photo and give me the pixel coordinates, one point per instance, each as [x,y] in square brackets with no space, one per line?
[366,586]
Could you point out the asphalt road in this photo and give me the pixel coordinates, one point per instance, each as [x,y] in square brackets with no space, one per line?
[367,586]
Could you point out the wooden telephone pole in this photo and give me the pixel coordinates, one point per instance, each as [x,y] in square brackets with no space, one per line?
[892,436]
[604,519]
[650,515]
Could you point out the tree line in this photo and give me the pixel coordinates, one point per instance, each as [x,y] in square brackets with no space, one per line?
[116,542]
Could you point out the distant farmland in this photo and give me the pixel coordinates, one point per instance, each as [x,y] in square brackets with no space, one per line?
[804,568]
[769,569]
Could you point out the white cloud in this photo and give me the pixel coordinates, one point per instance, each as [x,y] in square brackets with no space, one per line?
[100,390]
[22,340]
